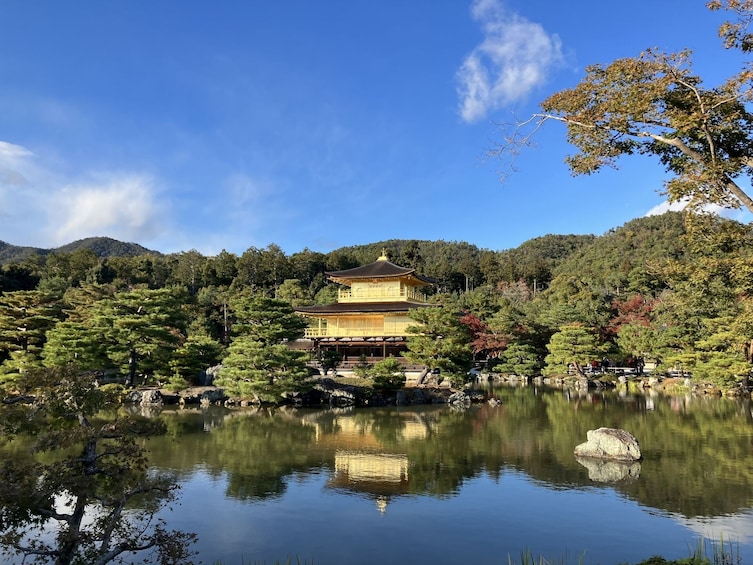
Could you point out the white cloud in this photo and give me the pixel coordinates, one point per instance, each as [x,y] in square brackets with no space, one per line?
[740,215]
[16,168]
[10,153]
[13,159]
[733,528]
[41,207]
[665,206]
[513,59]
[120,206]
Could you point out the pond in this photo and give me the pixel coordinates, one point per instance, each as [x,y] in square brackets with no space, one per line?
[444,486]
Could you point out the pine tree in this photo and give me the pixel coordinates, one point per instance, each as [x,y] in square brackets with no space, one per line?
[258,364]
[574,343]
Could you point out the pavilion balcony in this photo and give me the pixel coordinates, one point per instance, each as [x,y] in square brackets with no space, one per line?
[387,294]
[352,332]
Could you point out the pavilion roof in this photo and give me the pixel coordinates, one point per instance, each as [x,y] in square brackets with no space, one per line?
[382,268]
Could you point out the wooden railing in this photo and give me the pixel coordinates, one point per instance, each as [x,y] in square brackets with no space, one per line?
[380,295]
[348,365]
[351,332]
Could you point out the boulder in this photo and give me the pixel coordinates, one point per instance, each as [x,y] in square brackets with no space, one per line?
[610,443]
[151,398]
[210,374]
[133,397]
[212,396]
[328,391]
[459,399]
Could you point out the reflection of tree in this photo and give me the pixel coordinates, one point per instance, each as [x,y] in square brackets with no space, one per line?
[255,449]
[80,474]
[696,453]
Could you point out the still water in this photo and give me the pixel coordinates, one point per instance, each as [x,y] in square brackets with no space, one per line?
[431,484]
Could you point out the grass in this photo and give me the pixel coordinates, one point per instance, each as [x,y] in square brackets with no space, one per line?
[705,553]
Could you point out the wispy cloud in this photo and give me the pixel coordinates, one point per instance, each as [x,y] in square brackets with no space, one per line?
[61,209]
[513,59]
[12,161]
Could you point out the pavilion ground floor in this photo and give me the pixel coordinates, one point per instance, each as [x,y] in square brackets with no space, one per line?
[355,350]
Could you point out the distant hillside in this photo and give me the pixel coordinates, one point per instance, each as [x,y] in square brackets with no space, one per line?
[535,259]
[625,257]
[106,247]
[101,246]
[619,259]
[15,253]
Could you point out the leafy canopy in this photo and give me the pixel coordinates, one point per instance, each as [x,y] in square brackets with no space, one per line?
[82,475]
[654,104]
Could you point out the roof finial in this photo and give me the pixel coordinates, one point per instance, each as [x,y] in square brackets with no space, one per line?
[383,256]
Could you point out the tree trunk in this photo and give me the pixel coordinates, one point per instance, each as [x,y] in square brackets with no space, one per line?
[132,367]
[579,370]
[69,541]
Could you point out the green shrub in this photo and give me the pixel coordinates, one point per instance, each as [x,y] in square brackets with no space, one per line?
[388,375]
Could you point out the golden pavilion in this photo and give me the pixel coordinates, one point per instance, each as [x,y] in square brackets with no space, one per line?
[371,314]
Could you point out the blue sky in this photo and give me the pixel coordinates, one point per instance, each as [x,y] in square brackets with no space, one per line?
[224,125]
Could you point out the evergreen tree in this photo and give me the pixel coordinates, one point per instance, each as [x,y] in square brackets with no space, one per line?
[441,341]
[294,293]
[573,343]
[388,375]
[265,319]
[197,353]
[25,318]
[134,331]
[262,371]
[520,359]
[258,364]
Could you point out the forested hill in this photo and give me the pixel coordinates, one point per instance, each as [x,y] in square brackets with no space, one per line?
[674,288]
[451,262]
[629,258]
[100,246]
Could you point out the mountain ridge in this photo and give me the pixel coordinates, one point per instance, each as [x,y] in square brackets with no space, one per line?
[100,246]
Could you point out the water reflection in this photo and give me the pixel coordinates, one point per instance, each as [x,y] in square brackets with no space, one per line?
[320,483]
[603,471]
[332,485]
[697,451]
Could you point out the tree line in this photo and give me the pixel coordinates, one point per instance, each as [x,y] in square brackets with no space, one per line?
[671,289]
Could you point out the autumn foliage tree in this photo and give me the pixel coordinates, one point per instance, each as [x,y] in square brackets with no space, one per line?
[654,104]
[486,341]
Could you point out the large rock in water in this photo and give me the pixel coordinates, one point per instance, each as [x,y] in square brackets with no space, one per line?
[610,443]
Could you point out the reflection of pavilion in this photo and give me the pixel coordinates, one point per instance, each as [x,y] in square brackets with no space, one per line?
[368,467]
[363,464]
[381,475]
[349,431]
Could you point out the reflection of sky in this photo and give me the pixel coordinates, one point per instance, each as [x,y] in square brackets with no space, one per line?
[486,522]
[733,528]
